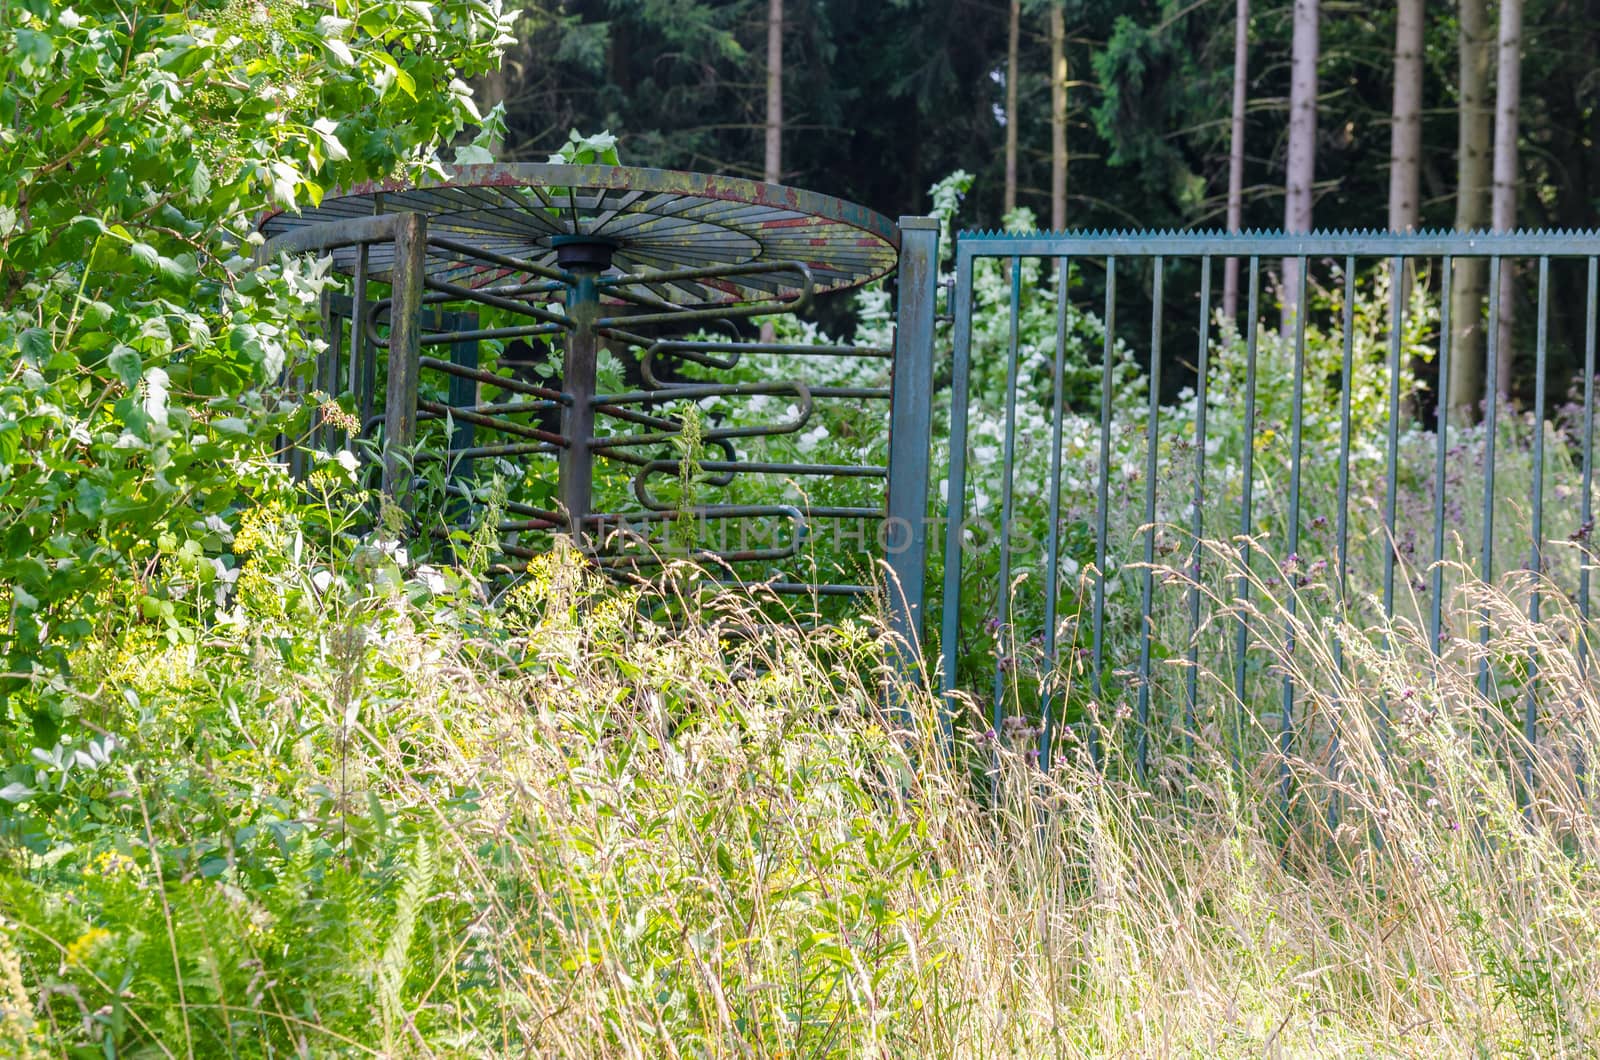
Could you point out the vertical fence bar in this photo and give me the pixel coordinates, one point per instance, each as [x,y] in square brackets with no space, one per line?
[575,474]
[405,350]
[1053,540]
[1391,467]
[1292,564]
[1585,531]
[956,488]
[1530,710]
[1586,513]
[1342,516]
[1491,406]
[1347,371]
[361,381]
[1246,525]
[910,431]
[1101,503]
[369,351]
[1441,452]
[1151,468]
[1004,661]
[1191,691]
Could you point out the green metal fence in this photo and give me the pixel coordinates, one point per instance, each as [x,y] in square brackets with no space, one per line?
[1411,527]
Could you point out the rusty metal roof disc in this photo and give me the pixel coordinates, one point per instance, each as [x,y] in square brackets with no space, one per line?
[652,221]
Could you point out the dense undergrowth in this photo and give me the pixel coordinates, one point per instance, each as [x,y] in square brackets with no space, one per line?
[272,786]
[374,812]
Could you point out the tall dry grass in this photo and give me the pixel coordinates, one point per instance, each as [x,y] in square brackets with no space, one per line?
[650,835]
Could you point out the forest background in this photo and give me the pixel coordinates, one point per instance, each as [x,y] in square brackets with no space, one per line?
[1149,114]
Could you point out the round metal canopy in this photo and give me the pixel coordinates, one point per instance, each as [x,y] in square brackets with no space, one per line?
[652,220]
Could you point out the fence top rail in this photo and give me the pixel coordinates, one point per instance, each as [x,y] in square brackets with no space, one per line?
[1215,243]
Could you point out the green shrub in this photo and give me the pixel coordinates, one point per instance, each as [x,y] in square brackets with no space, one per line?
[148,370]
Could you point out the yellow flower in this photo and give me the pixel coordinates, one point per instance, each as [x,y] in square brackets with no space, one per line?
[81,950]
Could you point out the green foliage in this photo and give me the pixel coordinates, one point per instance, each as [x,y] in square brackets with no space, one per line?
[372,812]
[290,827]
[581,150]
[1157,75]
[148,369]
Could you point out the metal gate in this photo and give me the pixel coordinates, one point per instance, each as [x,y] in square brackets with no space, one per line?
[1311,433]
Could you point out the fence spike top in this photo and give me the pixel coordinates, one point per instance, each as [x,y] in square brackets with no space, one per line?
[1365,243]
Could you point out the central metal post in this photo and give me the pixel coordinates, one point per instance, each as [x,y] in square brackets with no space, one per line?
[578,377]
[910,432]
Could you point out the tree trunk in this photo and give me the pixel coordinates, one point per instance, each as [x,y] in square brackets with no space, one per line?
[1405,152]
[1058,119]
[1301,167]
[773,168]
[1508,92]
[1241,55]
[1405,132]
[1011,106]
[1473,137]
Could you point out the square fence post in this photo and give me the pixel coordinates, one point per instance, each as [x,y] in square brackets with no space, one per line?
[405,352]
[910,424]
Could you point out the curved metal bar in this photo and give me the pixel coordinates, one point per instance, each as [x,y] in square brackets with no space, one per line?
[702,353]
[842,511]
[455,292]
[440,297]
[482,375]
[687,351]
[491,408]
[521,430]
[512,526]
[644,419]
[517,386]
[802,588]
[648,468]
[759,468]
[514,507]
[633,339]
[722,478]
[474,452]
[445,338]
[715,511]
[799,390]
